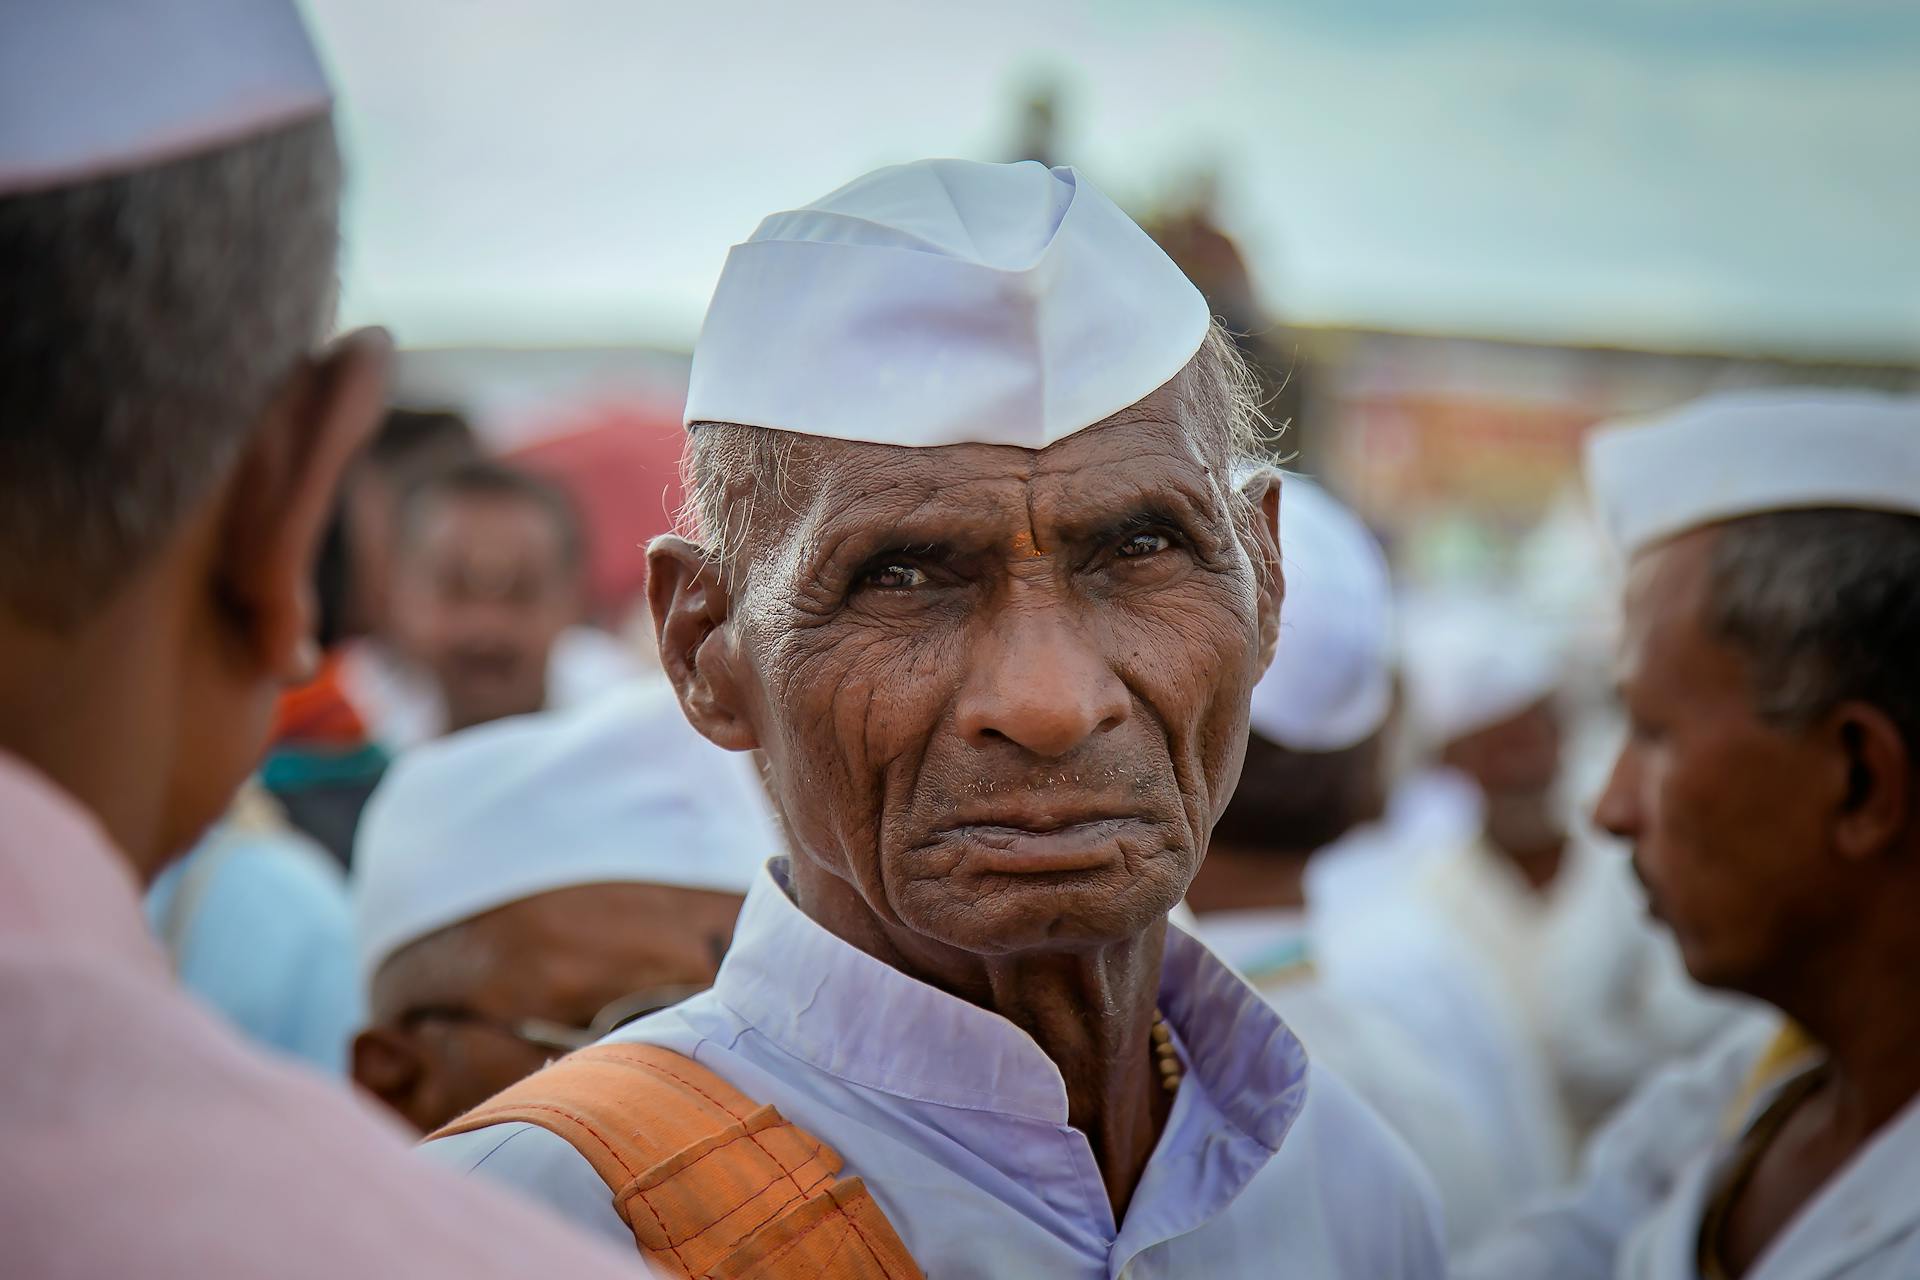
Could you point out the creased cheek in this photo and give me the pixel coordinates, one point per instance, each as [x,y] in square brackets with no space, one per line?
[850,711]
[1191,666]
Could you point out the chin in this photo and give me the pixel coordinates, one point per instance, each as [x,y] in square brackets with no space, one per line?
[1710,968]
[1004,914]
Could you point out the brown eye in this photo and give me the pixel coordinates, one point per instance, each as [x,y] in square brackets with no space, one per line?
[898,576]
[1136,545]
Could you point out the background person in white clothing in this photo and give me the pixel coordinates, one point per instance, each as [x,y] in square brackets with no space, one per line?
[1320,721]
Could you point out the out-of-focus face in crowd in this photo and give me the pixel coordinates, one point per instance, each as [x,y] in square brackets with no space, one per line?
[486,578]
[1518,756]
[466,1012]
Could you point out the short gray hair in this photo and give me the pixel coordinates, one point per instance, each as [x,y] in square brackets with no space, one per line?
[729,471]
[146,321]
[1825,604]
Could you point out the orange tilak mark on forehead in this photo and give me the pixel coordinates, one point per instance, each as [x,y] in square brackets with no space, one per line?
[1024,547]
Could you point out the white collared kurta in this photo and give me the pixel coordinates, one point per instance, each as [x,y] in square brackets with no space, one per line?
[958,1124]
[1273,949]
[1650,1171]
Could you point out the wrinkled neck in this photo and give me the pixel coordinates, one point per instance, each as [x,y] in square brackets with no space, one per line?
[1090,1009]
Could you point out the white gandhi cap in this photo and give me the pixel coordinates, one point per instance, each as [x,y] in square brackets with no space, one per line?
[1745,453]
[621,791]
[1331,683]
[944,302]
[1474,659]
[92,88]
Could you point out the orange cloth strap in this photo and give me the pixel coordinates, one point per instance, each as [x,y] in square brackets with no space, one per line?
[713,1186]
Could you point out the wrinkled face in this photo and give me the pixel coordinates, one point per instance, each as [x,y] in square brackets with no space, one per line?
[561,957]
[1002,692]
[481,591]
[1727,836]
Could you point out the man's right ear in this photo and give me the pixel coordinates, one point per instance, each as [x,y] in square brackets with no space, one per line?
[387,1065]
[691,605]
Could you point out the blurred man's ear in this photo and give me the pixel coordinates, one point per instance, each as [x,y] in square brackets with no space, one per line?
[1262,489]
[388,1064]
[691,607]
[284,491]
[1875,778]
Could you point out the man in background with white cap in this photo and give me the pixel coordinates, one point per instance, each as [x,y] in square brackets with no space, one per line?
[988,567]
[174,434]
[1770,786]
[522,888]
[1316,776]
[1546,906]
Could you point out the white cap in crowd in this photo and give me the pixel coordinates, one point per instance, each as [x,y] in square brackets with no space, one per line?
[1331,682]
[1748,452]
[944,302]
[92,88]
[623,790]
[1473,659]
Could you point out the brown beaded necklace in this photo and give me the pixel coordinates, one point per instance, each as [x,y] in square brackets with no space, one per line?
[1165,1056]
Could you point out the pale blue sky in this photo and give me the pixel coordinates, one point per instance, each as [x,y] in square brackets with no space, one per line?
[1696,173]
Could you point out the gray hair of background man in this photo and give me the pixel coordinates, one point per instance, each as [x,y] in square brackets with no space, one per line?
[1825,604]
[730,470]
[165,303]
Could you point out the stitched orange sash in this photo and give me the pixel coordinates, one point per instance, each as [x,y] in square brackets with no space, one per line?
[713,1186]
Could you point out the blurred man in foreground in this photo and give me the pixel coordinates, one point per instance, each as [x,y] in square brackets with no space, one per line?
[1770,786]
[173,438]
[988,572]
[523,888]
[485,593]
[1319,726]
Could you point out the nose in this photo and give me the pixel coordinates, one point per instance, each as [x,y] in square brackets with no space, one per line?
[1040,682]
[1617,811]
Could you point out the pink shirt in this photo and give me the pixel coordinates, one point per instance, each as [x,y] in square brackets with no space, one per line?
[140,1137]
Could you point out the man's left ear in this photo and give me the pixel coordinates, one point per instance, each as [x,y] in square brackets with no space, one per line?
[284,490]
[1877,792]
[1262,491]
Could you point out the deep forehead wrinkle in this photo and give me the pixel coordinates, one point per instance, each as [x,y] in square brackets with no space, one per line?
[971,496]
[964,514]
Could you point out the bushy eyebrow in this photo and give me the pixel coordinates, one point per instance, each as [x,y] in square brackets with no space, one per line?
[920,516]
[1169,505]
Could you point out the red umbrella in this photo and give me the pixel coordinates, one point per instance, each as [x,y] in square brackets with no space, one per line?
[620,461]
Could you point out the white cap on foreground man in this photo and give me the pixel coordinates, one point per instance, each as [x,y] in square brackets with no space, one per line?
[988,567]
[522,888]
[176,429]
[1770,786]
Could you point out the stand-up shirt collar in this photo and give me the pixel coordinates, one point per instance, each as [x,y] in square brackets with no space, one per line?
[835,1007]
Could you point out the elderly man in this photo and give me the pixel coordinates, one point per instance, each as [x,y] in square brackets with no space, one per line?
[986,577]
[523,888]
[174,434]
[1770,785]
